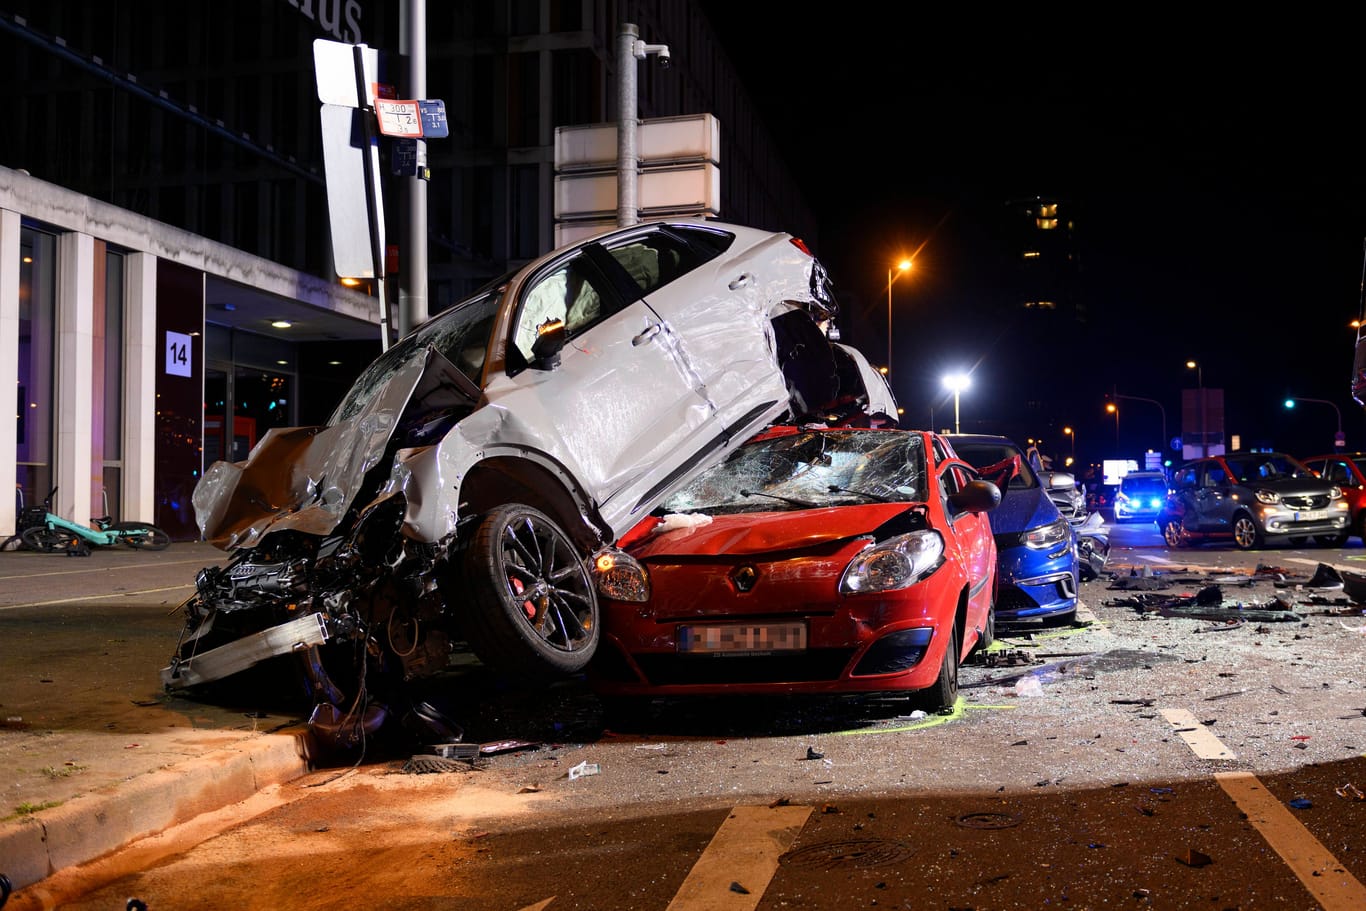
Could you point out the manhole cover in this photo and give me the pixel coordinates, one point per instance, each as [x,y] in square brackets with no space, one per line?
[988,820]
[868,852]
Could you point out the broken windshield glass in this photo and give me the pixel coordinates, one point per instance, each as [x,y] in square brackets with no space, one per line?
[815,468]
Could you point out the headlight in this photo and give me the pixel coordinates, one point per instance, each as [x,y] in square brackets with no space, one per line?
[895,563]
[1050,535]
[1269,497]
[1334,492]
[619,576]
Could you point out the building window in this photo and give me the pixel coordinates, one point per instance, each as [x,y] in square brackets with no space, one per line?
[109,458]
[37,324]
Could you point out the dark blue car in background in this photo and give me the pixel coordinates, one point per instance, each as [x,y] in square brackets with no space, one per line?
[1037,565]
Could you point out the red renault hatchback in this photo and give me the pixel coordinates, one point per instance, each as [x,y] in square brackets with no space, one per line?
[811,561]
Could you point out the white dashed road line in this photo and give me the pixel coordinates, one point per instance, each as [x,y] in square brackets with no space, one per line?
[745,850]
[1317,869]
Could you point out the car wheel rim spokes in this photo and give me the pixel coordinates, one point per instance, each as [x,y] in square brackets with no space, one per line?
[547,578]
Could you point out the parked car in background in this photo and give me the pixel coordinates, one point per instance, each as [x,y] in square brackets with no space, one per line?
[463,485]
[1254,499]
[1140,496]
[1345,469]
[825,561]
[1037,565]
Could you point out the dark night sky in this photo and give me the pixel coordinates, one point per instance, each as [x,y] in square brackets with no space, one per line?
[1216,172]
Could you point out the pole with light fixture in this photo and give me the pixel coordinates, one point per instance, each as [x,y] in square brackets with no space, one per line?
[1200,385]
[956,383]
[1339,440]
[1073,435]
[901,267]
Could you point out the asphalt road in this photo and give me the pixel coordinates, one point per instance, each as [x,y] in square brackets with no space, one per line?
[1198,739]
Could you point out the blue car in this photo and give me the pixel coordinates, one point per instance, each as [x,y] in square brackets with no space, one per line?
[1037,566]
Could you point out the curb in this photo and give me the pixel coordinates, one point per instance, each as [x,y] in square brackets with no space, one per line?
[92,825]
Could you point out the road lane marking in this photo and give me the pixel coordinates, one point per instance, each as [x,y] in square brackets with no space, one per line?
[102,596]
[745,850]
[1199,738]
[1326,879]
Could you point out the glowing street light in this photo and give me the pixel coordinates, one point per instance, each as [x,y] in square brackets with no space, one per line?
[1200,384]
[902,267]
[956,383]
[1112,408]
[1339,441]
[1073,434]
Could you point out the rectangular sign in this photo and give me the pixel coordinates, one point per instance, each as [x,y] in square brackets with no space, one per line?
[398,118]
[434,125]
[179,351]
[334,66]
[345,159]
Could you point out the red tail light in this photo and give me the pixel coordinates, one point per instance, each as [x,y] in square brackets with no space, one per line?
[801,245]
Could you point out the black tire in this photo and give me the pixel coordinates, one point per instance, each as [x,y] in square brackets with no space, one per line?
[1246,534]
[142,536]
[1172,534]
[45,540]
[1335,540]
[941,695]
[535,608]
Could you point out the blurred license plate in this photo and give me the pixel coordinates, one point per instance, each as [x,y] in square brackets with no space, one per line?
[766,637]
[1313,515]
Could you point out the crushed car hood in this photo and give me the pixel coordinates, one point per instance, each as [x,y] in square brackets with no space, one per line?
[756,533]
[307,478]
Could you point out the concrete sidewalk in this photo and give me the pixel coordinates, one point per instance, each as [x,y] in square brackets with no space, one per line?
[93,753]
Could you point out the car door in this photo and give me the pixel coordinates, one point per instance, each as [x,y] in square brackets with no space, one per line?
[620,408]
[1214,501]
[714,302]
[1181,497]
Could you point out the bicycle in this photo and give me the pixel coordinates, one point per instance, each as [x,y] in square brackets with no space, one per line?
[58,534]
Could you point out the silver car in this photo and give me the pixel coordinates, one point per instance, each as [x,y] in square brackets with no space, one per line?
[479,468]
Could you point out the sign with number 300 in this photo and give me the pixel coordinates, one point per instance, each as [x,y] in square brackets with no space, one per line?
[179,348]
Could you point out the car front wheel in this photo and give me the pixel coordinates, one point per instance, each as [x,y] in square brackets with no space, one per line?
[1246,534]
[1171,533]
[535,609]
[941,695]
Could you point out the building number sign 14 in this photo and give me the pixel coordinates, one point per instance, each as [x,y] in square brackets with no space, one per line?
[179,348]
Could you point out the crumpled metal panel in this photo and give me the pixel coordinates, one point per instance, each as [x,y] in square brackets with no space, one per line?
[301,478]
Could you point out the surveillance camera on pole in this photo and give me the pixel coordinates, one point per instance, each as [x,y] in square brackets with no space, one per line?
[630,48]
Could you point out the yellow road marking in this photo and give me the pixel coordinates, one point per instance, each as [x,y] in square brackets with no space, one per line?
[745,850]
[1326,879]
[1199,738]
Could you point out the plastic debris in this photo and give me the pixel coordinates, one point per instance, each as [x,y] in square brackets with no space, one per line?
[1301,803]
[736,887]
[584,768]
[1028,687]
[1193,858]
[1349,790]
[811,753]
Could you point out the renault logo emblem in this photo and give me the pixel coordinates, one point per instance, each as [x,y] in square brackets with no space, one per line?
[744,578]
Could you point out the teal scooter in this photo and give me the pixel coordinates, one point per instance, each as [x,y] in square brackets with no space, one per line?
[58,534]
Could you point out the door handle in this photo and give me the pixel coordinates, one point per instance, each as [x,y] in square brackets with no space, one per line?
[648,335]
[740,282]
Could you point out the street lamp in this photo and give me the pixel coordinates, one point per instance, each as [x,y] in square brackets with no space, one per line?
[1339,441]
[901,268]
[956,383]
[1073,434]
[1139,398]
[1200,384]
[1112,408]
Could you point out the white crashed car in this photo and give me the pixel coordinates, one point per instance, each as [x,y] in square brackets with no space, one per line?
[465,485]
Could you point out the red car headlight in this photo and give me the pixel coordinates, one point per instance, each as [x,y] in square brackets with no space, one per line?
[893,564]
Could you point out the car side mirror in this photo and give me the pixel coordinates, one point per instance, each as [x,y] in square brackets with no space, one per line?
[976,497]
[550,338]
[1062,480]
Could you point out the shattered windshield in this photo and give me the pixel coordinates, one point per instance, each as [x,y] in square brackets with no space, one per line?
[810,470]
[461,334]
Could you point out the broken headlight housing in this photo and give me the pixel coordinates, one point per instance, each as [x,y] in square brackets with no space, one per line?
[896,563]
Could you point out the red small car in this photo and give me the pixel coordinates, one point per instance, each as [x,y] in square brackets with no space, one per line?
[811,561]
[1345,470]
